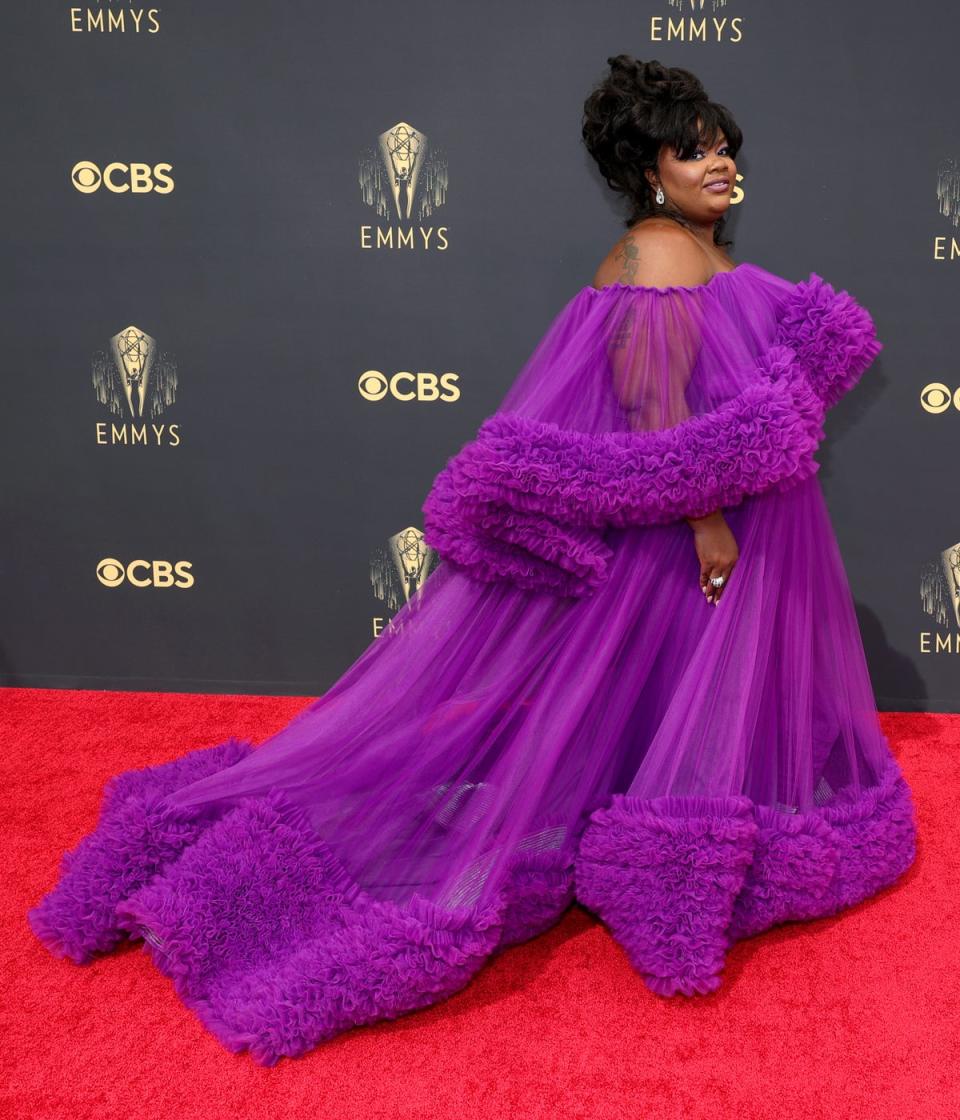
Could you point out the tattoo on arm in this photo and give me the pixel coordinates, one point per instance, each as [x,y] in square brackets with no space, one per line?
[629,258]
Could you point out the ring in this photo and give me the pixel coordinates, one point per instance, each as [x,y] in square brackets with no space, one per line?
[717,581]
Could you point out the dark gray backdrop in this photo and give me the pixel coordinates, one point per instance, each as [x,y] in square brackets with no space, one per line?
[254,281]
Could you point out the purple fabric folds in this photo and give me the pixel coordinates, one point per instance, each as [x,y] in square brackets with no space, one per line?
[557,714]
[831,335]
[679,879]
[528,500]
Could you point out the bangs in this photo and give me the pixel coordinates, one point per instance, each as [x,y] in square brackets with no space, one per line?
[685,137]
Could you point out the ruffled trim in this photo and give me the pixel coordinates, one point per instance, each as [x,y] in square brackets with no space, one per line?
[275,947]
[679,879]
[529,501]
[265,935]
[537,891]
[494,542]
[833,336]
[663,876]
[130,844]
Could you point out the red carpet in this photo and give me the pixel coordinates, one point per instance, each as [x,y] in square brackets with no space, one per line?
[852,1016]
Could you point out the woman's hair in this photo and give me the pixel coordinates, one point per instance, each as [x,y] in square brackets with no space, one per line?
[637,108]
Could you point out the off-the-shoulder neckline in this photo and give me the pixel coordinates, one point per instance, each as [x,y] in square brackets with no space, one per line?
[620,286]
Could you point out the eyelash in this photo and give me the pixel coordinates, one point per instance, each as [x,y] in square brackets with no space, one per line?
[699,151]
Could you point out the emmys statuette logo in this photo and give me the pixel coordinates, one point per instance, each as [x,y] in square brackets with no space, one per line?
[707,22]
[373,385]
[145,573]
[137,382]
[122,178]
[940,599]
[111,16]
[948,202]
[399,571]
[403,177]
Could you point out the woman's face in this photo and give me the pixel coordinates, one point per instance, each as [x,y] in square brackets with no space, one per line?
[686,181]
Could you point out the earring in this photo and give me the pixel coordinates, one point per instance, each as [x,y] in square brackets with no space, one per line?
[660,196]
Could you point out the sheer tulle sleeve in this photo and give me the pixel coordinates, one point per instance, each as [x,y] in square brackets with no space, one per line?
[642,406]
[651,355]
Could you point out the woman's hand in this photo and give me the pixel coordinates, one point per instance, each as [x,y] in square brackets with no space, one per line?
[717,550]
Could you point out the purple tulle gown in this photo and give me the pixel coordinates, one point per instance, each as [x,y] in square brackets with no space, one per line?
[558,713]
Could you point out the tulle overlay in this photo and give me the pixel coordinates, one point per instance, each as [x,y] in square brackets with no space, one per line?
[529,499]
[557,714]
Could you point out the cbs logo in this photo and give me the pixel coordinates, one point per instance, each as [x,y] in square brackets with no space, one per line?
[374,386]
[937,397]
[145,573]
[138,178]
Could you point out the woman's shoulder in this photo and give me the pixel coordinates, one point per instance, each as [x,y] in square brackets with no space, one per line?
[656,253]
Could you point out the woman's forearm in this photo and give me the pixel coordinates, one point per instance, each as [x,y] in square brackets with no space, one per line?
[707,519]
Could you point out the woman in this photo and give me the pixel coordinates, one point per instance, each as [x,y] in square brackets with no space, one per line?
[561,712]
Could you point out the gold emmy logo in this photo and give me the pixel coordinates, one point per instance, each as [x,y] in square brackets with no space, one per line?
[403,177]
[121,178]
[702,25]
[145,573]
[948,191]
[109,17]
[137,382]
[400,570]
[940,599]
[948,202]
[373,385]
